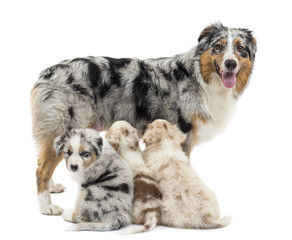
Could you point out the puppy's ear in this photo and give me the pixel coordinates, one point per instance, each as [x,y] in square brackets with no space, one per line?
[94,139]
[59,144]
[182,136]
[148,137]
[132,139]
[152,136]
[175,133]
[114,141]
[97,144]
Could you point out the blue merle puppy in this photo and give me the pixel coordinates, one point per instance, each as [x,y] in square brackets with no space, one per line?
[106,182]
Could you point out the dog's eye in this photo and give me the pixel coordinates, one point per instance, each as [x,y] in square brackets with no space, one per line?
[68,152]
[85,154]
[218,47]
[240,48]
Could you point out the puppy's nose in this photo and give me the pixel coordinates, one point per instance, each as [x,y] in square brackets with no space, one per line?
[74,168]
[230,64]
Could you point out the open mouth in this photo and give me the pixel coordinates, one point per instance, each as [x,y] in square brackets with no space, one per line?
[228,78]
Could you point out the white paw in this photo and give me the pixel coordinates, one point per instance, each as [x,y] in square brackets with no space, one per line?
[57,188]
[68,215]
[71,228]
[51,210]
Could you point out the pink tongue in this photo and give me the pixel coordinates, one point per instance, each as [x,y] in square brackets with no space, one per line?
[229,79]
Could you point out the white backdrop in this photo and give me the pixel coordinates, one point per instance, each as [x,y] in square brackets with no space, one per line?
[248,166]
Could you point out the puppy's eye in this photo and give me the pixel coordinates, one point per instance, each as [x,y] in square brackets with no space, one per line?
[218,47]
[85,154]
[68,152]
[240,48]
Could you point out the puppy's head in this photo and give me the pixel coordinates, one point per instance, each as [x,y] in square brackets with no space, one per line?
[161,130]
[80,148]
[226,55]
[123,135]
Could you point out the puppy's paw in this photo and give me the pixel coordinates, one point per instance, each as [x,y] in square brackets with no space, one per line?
[71,228]
[51,210]
[57,188]
[223,222]
[68,215]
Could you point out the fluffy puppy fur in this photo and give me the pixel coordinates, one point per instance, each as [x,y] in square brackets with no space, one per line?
[106,182]
[147,196]
[186,201]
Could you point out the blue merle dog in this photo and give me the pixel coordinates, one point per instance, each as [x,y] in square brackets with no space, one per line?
[196,90]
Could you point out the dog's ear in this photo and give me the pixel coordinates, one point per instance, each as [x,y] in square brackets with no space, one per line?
[205,33]
[132,138]
[59,143]
[95,140]
[113,140]
[175,133]
[98,143]
[148,137]
[254,48]
[250,42]
[208,31]
[152,136]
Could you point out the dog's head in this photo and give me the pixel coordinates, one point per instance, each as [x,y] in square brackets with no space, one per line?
[226,55]
[123,134]
[161,130]
[80,148]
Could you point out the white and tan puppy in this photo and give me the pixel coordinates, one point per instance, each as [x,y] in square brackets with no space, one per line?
[147,196]
[187,202]
[106,182]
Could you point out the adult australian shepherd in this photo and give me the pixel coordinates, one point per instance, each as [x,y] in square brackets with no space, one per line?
[196,90]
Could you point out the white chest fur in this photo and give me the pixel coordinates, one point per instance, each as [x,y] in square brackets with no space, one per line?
[219,104]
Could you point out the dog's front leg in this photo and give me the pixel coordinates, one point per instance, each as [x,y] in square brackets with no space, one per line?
[74,215]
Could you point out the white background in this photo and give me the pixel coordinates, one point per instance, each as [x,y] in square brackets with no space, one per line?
[248,166]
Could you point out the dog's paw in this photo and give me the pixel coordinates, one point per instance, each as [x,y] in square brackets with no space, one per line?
[51,210]
[68,215]
[71,228]
[57,188]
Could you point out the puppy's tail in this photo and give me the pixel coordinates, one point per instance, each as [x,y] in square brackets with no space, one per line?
[92,226]
[219,223]
[151,220]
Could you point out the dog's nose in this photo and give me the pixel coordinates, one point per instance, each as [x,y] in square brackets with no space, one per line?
[230,64]
[74,168]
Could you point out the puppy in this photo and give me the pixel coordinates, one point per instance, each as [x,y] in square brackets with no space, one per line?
[147,196]
[186,201]
[106,181]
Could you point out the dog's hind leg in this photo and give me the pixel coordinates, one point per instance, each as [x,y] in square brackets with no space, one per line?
[55,188]
[47,162]
[54,111]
